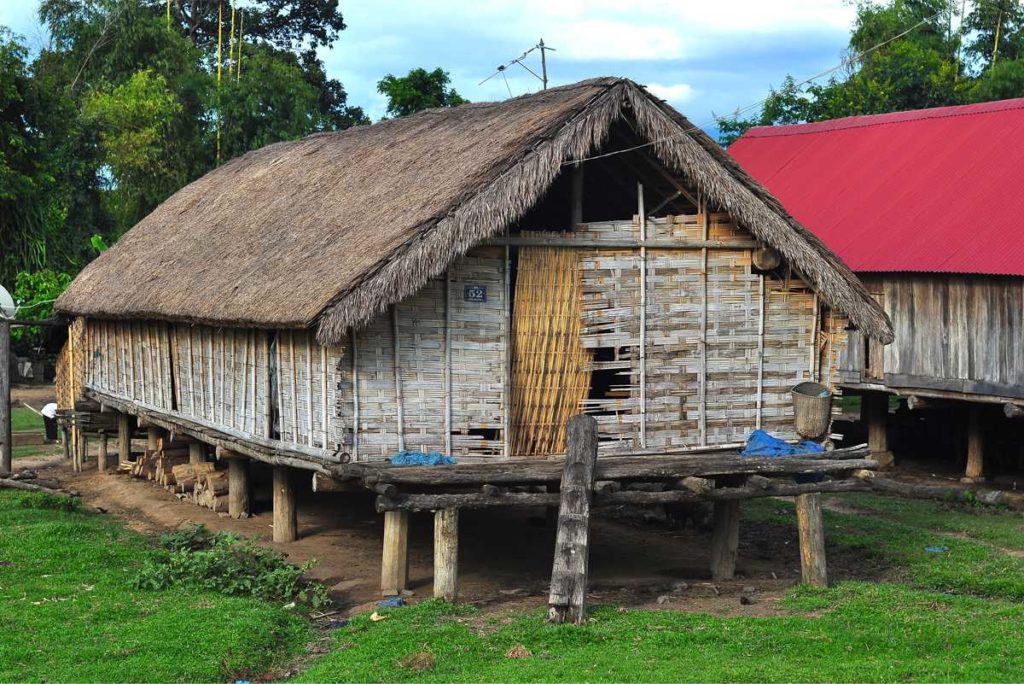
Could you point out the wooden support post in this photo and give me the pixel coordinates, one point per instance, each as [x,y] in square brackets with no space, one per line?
[812,539]
[6,436]
[124,437]
[101,458]
[238,488]
[394,571]
[975,446]
[83,452]
[446,553]
[725,539]
[153,434]
[568,597]
[874,410]
[66,442]
[196,451]
[286,521]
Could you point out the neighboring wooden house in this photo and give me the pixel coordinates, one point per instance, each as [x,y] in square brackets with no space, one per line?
[463,281]
[928,208]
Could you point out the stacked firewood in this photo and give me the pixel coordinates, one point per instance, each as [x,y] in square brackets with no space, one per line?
[157,466]
[203,485]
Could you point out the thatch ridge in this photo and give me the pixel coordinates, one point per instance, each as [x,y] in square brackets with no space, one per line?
[314,231]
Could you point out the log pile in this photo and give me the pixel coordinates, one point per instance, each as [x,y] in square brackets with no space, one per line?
[169,467]
[157,466]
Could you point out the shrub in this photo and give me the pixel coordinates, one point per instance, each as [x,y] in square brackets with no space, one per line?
[228,564]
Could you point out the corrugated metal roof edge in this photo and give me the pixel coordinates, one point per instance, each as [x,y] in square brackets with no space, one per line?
[884,119]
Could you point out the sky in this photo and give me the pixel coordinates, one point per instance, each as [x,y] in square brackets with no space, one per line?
[704,57]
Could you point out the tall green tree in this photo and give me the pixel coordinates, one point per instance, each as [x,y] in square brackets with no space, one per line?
[418,90]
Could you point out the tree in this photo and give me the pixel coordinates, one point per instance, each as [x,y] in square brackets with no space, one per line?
[920,69]
[419,89]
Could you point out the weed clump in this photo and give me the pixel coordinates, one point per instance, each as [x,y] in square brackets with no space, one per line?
[226,563]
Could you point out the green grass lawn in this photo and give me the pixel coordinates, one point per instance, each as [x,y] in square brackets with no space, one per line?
[955,615]
[25,420]
[68,611]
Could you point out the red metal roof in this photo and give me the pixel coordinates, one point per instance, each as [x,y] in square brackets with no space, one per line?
[938,190]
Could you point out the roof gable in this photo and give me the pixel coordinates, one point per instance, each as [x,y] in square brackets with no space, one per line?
[332,229]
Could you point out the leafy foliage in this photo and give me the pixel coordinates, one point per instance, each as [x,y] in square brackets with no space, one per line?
[932,65]
[231,565]
[34,293]
[418,90]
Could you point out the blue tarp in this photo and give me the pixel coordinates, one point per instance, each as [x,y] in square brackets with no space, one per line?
[760,443]
[421,458]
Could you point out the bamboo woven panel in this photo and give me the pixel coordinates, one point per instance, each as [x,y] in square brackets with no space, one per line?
[551,367]
[479,348]
[478,341]
[307,391]
[611,332]
[421,346]
[72,365]
[789,335]
[222,375]
[129,359]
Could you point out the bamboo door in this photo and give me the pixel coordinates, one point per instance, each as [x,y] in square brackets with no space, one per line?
[550,367]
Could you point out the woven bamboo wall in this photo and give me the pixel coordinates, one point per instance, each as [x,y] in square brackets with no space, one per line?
[704,348]
[477,343]
[129,359]
[222,376]
[307,391]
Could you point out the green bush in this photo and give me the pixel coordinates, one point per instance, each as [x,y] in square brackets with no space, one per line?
[231,565]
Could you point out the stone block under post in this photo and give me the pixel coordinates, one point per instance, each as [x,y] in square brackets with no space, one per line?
[394,571]
[286,521]
[446,553]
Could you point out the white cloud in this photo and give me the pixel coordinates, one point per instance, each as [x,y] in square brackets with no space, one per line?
[608,40]
[676,93]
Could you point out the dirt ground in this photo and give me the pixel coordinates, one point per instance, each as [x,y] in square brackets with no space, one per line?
[505,555]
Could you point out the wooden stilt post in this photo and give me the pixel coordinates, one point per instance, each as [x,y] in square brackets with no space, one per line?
[286,522]
[6,436]
[812,539]
[124,438]
[446,553]
[725,539]
[238,488]
[83,451]
[568,597]
[152,438]
[101,458]
[975,446]
[66,442]
[196,452]
[394,571]
[875,411]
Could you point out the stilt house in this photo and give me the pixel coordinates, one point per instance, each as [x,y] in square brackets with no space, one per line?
[464,281]
[927,207]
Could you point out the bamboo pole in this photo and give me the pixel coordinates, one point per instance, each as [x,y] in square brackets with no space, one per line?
[323,392]
[760,350]
[355,397]
[448,364]
[703,384]
[396,348]
[643,313]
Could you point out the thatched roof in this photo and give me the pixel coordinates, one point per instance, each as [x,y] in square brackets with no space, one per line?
[331,229]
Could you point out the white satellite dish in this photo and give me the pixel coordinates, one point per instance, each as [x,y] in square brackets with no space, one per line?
[7,307]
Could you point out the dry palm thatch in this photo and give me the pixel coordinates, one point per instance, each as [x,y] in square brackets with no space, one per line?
[332,229]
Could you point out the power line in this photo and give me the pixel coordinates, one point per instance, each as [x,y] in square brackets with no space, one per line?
[742,110]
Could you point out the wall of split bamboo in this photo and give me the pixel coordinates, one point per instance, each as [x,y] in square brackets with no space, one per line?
[722,346]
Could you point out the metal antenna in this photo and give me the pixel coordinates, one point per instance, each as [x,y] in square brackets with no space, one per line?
[542,76]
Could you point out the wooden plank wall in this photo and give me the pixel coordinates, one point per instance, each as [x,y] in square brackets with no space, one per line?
[954,332]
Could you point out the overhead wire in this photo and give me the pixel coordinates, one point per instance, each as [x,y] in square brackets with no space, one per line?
[742,110]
